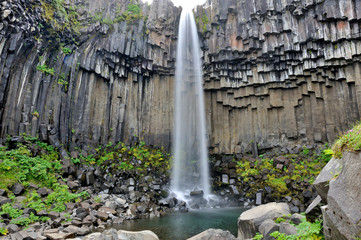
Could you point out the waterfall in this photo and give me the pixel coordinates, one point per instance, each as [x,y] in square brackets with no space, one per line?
[190,170]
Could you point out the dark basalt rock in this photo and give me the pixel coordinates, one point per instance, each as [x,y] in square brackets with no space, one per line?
[271,71]
[18,189]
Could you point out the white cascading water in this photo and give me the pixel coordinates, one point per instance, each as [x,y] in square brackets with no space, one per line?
[190,170]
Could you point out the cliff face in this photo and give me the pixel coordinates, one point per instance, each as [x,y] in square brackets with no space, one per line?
[275,72]
[278,72]
[115,84]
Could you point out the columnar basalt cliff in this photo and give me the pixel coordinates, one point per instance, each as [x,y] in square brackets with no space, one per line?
[280,72]
[276,72]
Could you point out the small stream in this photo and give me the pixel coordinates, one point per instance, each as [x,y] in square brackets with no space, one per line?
[180,226]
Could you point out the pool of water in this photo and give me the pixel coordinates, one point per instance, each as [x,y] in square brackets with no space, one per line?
[180,226]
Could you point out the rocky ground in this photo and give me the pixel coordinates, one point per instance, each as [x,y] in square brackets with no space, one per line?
[91,196]
[98,187]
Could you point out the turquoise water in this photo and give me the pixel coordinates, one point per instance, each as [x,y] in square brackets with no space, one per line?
[180,226]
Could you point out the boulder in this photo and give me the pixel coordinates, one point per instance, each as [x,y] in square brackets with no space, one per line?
[342,216]
[267,227]
[18,189]
[214,234]
[12,228]
[288,229]
[142,235]
[329,172]
[58,236]
[249,221]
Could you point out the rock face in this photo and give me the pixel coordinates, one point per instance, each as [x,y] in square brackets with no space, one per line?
[342,216]
[251,220]
[329,172]
[273,71]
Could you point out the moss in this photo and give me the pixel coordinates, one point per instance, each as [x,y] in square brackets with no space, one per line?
[60,17]
[262,173]
[350,141]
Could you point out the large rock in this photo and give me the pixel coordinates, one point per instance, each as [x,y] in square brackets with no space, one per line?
[113,234]
[329,172]
[142,235]
[249,221]
[267,227]
[214,234]
[342,216]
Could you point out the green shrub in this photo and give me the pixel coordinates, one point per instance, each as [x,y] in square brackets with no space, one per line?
[66,51]
[45,69]
[305,230]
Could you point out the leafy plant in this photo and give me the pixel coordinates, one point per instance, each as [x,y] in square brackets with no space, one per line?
[36,114]
[66,51]
[3,231]
[305,230]
[62,81]
[258,236]
[61,195]
[12,212]
[45,69]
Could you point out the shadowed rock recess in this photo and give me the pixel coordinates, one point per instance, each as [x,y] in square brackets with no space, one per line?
[276,72]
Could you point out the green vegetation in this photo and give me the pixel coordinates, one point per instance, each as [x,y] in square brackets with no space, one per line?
[62,81]
[35,114]
[20,165]
[265,172]
[205,21]
[132,14]
[37,163]
[258,237]
[135,160]
[60,16]
[350,141]
[305,230]
[45,69]
[3,231]
[66,50]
